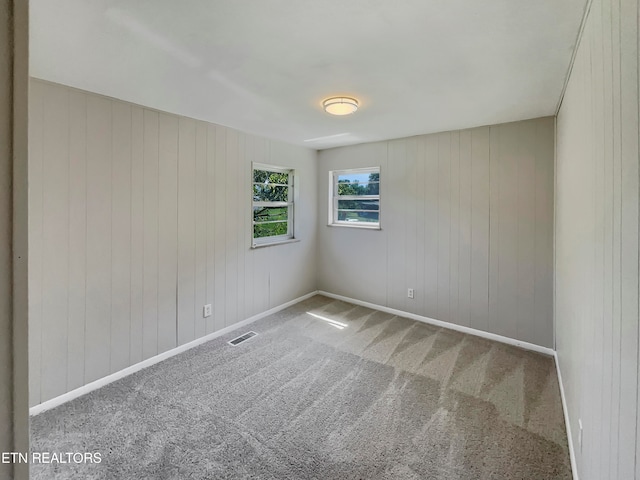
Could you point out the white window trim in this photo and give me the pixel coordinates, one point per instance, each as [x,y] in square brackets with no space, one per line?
[333,199]
[276,239]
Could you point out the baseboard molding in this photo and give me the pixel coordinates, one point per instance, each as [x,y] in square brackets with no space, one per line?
[440,323]
[565,410]
[101,382]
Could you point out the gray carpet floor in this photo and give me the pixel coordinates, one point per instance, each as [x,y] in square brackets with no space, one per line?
[345,393]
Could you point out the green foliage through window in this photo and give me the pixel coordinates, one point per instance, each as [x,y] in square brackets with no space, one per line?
[272,204]
[356,197]
[270,193]
[270,214]
[346,187]
[269,229]
[264,176]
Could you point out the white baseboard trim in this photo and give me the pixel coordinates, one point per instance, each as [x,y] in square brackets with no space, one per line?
[101,382]
[572,452]
[440,323]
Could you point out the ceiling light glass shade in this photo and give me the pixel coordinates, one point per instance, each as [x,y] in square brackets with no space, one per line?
[340,105]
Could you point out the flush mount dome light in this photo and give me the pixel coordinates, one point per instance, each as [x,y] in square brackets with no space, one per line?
[340,105]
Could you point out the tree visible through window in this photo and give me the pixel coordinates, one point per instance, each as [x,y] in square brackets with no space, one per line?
[355,198]
[272,204]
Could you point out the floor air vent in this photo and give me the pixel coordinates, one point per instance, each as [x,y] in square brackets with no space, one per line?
[242,338]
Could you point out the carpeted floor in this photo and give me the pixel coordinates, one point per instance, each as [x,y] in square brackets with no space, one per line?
[365,396]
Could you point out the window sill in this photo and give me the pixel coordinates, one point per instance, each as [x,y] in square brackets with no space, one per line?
[361,227]
[271,244]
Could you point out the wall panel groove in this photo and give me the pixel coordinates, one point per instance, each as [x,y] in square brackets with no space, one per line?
[146,217]
[472,211]
[597,241]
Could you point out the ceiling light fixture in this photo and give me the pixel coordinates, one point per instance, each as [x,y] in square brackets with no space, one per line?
[340,105]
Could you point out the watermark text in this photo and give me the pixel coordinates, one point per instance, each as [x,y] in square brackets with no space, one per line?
[51,457]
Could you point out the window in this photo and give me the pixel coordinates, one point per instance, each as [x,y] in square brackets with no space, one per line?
[272,204]
[355,198]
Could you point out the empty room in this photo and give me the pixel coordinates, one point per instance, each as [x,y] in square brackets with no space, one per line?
[321,240]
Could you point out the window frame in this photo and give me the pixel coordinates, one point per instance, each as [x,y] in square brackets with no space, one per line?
[334,197]
[290,204]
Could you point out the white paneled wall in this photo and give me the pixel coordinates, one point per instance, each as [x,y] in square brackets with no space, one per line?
[597,243]
[467,221]
[137,219]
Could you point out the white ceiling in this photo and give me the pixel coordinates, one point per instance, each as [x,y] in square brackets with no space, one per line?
[417,66]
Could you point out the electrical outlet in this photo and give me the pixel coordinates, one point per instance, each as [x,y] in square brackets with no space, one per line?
[410,293]
[580,434]
[206,311]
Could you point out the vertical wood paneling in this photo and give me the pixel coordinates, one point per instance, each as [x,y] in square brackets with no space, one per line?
[617,260]
[150,255]
[394,221]
[629,240]
[36,179]
[401,257]
[187,232]
[588,279]
[597,243]
[430,183]
[467,222]
[596,283]
[388,219]
[543,287]
[137,234]
[598,463]
[607,139]
[146,217]
[99,281]
[421,226]
[507,267]
[480,227]
[219,308]
[262,277]
[411,226]
[77,237]
[121,236]
[444,226]
[494,229]
[56,245]
[232,223]
[202,220]
[464,233]
[211,223]
[454,238]
[525,231]
[167,230]
[242,240]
